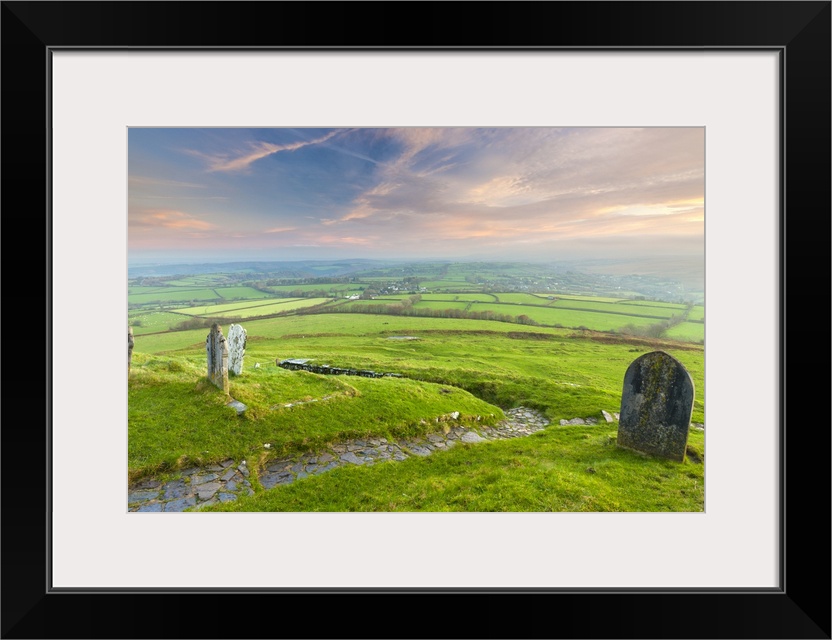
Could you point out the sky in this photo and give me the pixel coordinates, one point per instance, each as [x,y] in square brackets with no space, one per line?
[524,193]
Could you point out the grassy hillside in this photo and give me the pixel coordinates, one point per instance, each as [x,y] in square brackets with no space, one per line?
[476,368]
[177,418]
[572,469]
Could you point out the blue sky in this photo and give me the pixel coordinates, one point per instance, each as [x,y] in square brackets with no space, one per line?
[531,194]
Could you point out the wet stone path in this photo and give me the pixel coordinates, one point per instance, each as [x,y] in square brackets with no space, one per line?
[198,487]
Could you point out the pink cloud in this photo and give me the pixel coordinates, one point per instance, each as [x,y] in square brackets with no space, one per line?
[168,219]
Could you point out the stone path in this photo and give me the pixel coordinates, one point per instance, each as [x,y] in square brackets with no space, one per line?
[197,487]
[228,480]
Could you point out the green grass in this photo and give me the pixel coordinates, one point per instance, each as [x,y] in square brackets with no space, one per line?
[137,289]
[173,295]
[277,307]
[650,303]
[549,369]
[561,469]
[619,307]
[281,307]
[230,293]
[697,313]
[464,297]
[153,321]
[334,325]
[689,331]
[569,296]
[594,320]
[342,288]
[440,304]
[521,298]
[218,309]
[439,285]
[205,280]
[177,418]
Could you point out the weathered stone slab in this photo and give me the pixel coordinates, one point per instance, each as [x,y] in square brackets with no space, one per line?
[351,458]
[217,351]
[206,491]
[175,489]
[238,406]
[180,505]
[236,348]
[270,480]
[228,475]
[418,450]
[656,406]
[142,496]
[607,416]
[148,484]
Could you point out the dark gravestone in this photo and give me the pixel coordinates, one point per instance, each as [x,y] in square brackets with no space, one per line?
[129,347]
[217,352]
[656,406]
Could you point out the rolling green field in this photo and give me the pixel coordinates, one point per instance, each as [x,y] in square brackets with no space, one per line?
[335,288]
[280,307]
[617,307]
[688,331]
[563,469]
[531,365]
[595,321]
[440,285]
[478,339]
[246,293]
[598,316]
[176,417]
[522,298]
[476,368]
[138,289]
[206,280]
[464,297]
[219,309]
[697,314]
[652,303]
[173,295]
[568,296]
[440,304]
[153,321]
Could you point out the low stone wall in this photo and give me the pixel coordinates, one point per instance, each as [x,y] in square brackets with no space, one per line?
[303,365]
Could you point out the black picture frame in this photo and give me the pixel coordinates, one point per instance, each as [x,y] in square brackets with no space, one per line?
[799,608]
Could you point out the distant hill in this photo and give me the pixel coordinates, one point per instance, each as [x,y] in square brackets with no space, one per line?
[293,269]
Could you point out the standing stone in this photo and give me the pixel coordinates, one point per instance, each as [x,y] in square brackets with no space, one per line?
[129,347]
[656,406]
[236,348]
[217,350]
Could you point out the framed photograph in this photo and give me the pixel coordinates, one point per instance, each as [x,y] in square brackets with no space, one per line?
[84,82]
